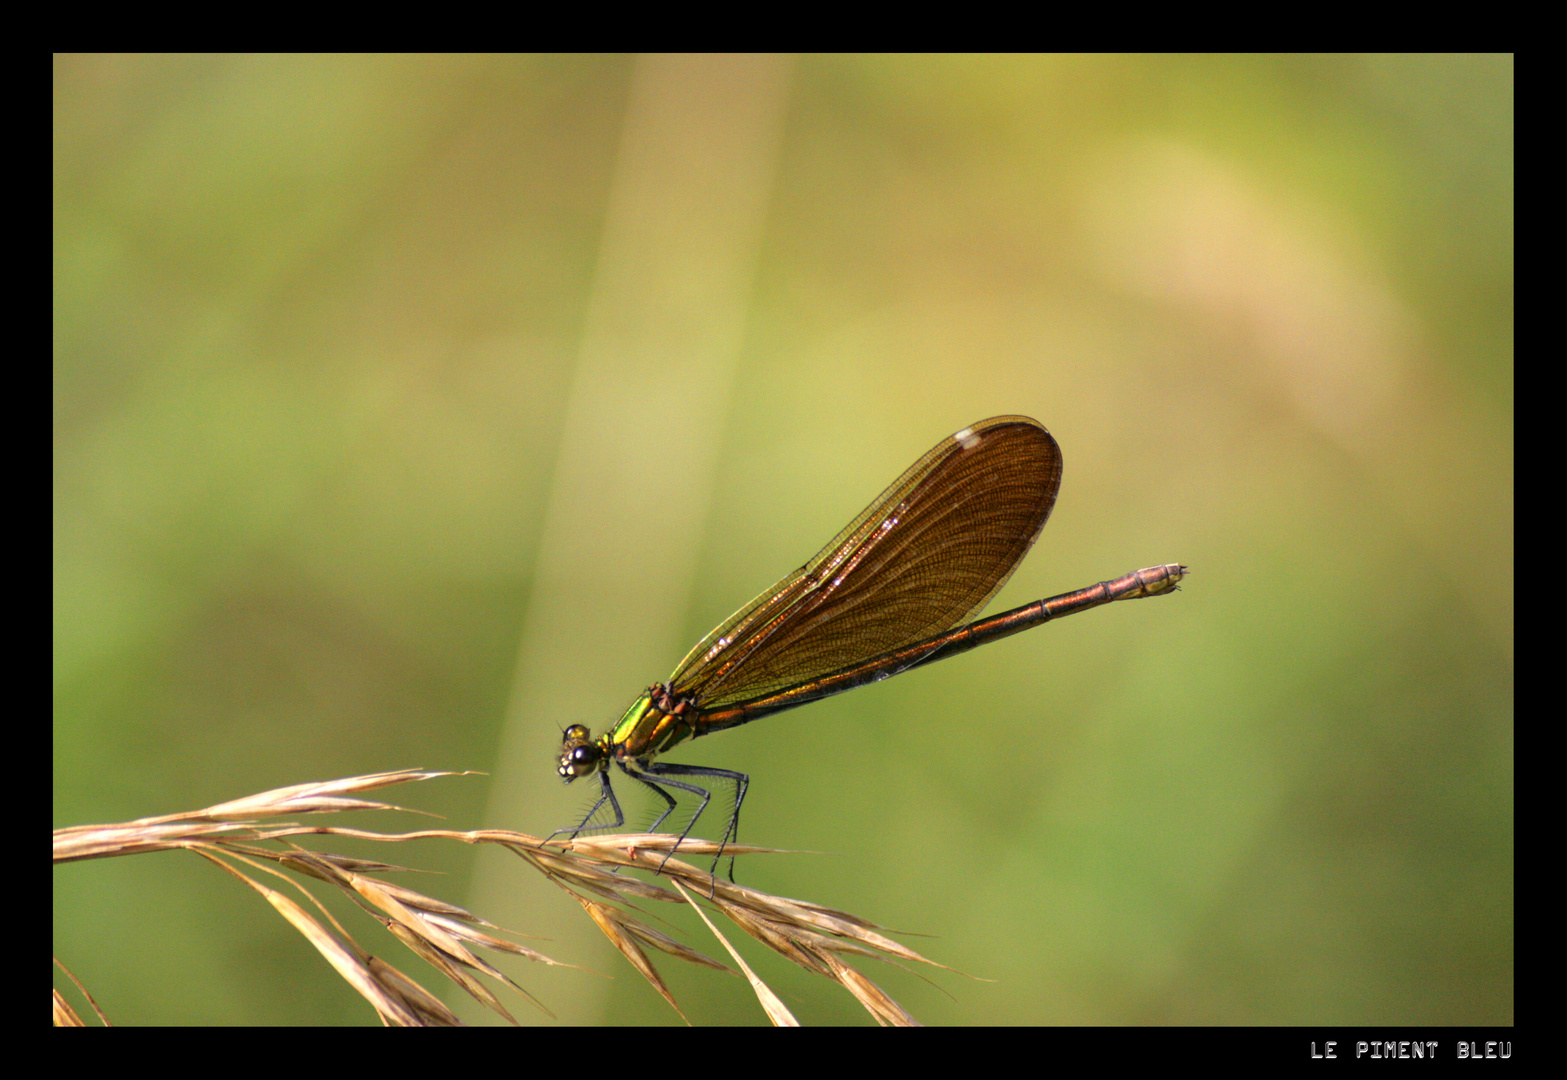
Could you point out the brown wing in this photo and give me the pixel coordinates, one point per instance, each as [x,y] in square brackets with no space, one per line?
[922,558]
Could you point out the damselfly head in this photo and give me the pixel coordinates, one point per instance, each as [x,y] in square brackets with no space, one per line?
[579,754]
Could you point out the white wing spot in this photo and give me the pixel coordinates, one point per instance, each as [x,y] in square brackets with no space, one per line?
[967,439]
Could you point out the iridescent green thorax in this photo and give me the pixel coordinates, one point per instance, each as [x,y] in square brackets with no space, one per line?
[655,722]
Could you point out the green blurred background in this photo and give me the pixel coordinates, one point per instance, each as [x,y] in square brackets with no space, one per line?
[407,409]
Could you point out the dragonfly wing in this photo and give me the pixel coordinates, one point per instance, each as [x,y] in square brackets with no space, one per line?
[927,554]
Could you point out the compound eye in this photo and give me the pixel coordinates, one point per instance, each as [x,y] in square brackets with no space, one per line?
[579,758]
